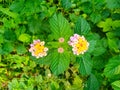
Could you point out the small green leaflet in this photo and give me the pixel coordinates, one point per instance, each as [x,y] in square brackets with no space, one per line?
[60,27]
[24,37]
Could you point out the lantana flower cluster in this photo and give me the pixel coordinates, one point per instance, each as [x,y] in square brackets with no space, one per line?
[38,49]
[79,46]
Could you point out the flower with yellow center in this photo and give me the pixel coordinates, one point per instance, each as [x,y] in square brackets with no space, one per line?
[79,44]
[38,49]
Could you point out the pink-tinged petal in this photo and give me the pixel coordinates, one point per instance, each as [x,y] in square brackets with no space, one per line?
[38,40]
[69,42]
[31,45]
[76,36]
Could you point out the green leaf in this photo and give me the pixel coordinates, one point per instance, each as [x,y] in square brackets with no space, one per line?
[7,48]
[8,12]
[99,62]
[85,64]
[106,25]
[87,6]
[10,35]
[95,17]
[60,27]
[21,49]
[17,6]
[92,44]
[66,4]
[113,4]
[116,85]
[59,62]
[77,83]
[99,51]
[82,27]
[114,44]
[92,83]
[24,37]
[1,38]
[113,67]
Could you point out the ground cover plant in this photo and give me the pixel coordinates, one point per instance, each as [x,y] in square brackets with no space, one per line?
[60,44]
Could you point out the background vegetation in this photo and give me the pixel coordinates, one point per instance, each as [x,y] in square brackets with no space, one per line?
[22,21]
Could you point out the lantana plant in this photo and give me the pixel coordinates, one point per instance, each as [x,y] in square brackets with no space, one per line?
[60,51]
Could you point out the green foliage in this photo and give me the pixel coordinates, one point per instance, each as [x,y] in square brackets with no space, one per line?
[113,4]
[82,26]
[92,83]
[22,21]
[60,62]
[24,38]
[60,27]
[113,67]
[116,85]
[85,65]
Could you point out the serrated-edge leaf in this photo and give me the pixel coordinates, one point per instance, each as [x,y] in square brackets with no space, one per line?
[60,26]
[82,27]
[92,83]
[59,62]
[113,67]
[85,64]
[116,85]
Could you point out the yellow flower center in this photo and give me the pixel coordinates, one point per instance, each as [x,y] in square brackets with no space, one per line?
[82,45]
[38,49]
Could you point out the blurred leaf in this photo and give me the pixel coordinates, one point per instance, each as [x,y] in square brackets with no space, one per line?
[7,48]
[85,64]
[113,67]
[8,12]
[116,85]
[105,13]
[13,85]
[92,83]
[66,4]
[114,44]
[24,38]
[112,4]
[60,27]
[59,62]
[86,6]
[99,62]
[99,51]
[21,49]
[17,6]
[95,17]
[54,85]
[92,45]
[10,35]
[107,25]
[77,83]
[1,38]
[82,27]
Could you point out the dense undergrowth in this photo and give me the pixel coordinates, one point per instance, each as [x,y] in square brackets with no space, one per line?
[22,21]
